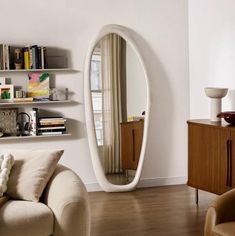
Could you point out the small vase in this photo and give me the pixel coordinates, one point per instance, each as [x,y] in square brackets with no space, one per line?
[216,94]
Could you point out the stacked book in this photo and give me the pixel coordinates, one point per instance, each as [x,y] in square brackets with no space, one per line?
[51,125]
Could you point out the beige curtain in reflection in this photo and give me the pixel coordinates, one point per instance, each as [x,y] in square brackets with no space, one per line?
[113,72]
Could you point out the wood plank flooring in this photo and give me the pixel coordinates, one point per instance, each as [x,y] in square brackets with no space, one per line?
[160,211]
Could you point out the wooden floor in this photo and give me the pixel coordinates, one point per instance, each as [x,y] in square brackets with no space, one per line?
[160,211]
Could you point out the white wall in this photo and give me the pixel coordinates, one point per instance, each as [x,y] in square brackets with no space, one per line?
[136,84]
[211,52]
[161,26]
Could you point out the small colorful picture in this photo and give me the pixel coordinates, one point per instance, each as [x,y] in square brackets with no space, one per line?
[6,92]
[38,86]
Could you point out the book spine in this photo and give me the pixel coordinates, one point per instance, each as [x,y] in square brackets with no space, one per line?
[51,130]
[30,58]
[35,57]
[7,57]
[1,57]
[42,58]
[26,58]
[34,127]
[4,57]
[11,57]
[52,123]
[51,127]
[39,58]
[56,128]
[51,133]
[52,119]
[45,58]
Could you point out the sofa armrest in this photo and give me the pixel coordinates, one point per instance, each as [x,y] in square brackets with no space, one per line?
[67,197]
[221,210]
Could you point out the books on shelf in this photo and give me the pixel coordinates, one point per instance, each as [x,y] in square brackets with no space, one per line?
[51,133]
[51,125]
[34,57]
[52,128]
[28,99]
[28,57]
[4,57]
[52,119]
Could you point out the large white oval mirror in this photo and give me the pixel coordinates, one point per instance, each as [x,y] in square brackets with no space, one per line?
[117,108]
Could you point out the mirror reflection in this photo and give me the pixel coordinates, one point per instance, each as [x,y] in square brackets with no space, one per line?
[119,97]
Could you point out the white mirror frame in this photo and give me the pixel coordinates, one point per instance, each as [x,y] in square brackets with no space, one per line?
[98,169]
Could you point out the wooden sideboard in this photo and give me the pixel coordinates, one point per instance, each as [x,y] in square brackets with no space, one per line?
[211,156]
[131,143]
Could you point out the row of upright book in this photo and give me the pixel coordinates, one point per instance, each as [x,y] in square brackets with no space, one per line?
[28,57]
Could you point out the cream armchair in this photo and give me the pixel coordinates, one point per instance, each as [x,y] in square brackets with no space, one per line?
[63,210]
[220,217]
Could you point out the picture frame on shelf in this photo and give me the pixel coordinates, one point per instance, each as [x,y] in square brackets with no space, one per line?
[38,86]
[6,93]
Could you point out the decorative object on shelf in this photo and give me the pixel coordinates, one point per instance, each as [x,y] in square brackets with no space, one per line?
[38,86]
[2,80]
[215,94]
[8,117]
[59,94]
[20,94]
[18,59]
[53,94]
[66,93]
[7,93]
[229,116]
[23,124]
[56,61]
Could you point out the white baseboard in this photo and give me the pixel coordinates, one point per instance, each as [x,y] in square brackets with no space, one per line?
[93,187]
[145,183]
[161,181]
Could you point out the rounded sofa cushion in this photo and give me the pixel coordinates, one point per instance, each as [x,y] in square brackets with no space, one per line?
[227,229]
[24,218]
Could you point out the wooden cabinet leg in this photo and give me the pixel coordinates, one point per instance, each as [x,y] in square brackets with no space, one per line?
[196,196]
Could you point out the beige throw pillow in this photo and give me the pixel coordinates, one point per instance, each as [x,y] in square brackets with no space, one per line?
[31,172]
